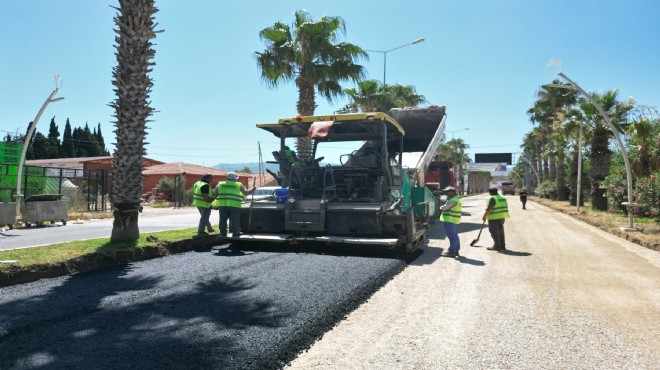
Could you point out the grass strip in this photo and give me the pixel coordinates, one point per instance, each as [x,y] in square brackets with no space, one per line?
[65,251]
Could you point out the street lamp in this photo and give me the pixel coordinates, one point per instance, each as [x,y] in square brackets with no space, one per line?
[452,132]
[417,41]
[629,204]
[51,99]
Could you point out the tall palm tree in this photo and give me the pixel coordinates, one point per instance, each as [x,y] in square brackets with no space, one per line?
[548,112]
[459,158]
[135,31]
[600,152]
[307,53]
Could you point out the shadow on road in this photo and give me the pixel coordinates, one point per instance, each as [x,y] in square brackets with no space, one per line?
[81,323]
[515,253]
[469,261]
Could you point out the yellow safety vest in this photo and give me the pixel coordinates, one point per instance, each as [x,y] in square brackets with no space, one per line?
[229,194]
[452,215]
[198,198]
[501,209]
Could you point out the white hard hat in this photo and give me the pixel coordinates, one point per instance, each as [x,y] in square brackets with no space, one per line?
[232,176]
[448,188]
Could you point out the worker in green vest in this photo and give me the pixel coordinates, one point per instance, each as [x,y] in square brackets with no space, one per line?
[229,196]
[202,199]
[451,218]
[291,155]
[496,211]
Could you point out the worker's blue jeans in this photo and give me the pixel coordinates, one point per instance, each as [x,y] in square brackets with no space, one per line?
[452,234]
[204,222]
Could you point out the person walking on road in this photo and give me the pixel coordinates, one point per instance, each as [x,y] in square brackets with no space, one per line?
[230,194]
[523,197]
[451,218]
[496,211]
[202,200]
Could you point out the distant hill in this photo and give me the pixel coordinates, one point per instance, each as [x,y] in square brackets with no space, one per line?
[253,166]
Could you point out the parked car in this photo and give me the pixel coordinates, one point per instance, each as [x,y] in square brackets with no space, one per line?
[265,192]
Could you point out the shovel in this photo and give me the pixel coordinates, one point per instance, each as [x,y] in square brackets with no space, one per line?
[478,236]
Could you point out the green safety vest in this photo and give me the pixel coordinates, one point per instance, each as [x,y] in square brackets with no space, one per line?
[289,156]
[452,215]
[198,198]
[229,194]
[501,209]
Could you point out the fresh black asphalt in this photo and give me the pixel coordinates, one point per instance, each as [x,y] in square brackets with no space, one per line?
[253,308]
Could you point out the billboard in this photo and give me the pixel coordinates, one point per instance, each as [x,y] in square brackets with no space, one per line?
[493,158]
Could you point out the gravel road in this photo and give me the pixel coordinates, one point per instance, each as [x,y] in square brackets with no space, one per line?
[566,296]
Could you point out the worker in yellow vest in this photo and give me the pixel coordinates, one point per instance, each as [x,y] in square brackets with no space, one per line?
[202,199]
[229,196]
[451,218]
[496,211]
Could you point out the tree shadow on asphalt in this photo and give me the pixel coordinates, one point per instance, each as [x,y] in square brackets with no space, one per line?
[80,323]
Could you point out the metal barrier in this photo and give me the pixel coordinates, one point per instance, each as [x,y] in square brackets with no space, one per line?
[85,191]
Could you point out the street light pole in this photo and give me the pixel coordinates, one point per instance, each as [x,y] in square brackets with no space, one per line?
[384,52]
[51,98]
[629,204]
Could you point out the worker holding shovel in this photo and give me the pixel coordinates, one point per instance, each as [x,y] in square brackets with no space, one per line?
[451,218]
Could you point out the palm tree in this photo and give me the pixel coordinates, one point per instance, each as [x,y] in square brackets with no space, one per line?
[308,54]
[600,152]
[135,30]
[459,158]
[644,133]
[548,111]
[372,96]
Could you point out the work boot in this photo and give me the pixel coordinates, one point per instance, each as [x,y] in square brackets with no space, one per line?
[449,254]
[495,248]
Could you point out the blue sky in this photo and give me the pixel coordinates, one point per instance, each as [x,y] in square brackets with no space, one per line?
[484,60]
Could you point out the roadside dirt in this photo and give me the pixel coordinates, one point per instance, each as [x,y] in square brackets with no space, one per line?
[647,236]
[564,295]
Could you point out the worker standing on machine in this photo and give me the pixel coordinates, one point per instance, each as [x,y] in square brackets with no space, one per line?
[451,218]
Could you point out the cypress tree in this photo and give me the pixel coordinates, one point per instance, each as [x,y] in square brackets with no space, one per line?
[54,146]
[40,146]
[68,150]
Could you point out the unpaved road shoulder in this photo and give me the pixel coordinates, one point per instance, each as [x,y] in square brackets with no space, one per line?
[566,295]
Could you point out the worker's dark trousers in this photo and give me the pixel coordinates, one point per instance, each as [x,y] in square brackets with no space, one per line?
[496,228]
[232,214]
[204,214]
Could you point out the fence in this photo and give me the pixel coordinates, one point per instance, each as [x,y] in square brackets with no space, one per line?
[85,190]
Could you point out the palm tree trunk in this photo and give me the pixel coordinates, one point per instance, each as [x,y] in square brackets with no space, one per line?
[306,106]
[559,171]
[552,168]
[135,29]
[600,166]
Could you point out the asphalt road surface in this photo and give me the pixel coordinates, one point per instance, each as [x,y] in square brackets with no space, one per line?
[222,309]
[151,219]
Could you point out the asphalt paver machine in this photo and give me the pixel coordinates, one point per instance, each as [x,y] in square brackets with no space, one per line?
[360,200]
